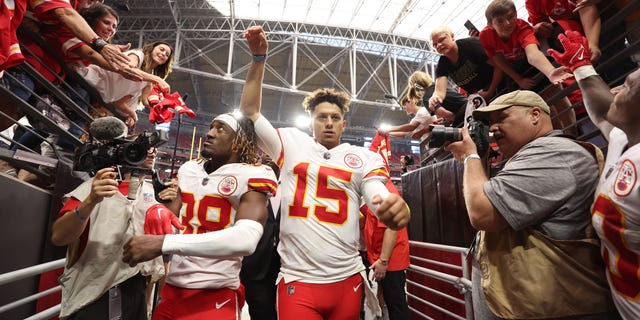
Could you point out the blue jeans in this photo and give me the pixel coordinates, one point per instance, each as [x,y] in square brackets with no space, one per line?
[79,96]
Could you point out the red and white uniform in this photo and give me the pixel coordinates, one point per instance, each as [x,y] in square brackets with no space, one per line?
[321,188]
[53,31]
[513,49]
[11,14]
[209,203]
[616,218]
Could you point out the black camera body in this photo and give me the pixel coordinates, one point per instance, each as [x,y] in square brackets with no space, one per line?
[478,130]
[92,157]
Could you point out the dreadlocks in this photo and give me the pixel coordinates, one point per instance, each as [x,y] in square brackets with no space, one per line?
[245,141]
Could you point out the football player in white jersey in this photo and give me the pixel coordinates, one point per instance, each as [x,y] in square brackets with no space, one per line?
[616,210]
[321,185]
[222,206]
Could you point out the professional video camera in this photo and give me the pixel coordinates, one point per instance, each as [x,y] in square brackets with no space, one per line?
[478,130]
[109,147]
[94,156]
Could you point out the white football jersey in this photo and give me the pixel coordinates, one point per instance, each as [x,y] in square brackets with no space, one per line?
[209,203]
[616,218]
[321,189]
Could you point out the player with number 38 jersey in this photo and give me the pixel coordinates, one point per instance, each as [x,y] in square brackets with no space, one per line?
[615,217]
[222,205]
[616,211]
[210,202]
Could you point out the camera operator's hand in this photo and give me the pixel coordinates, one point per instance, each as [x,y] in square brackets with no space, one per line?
[104,185]
[171,192]
[461,149]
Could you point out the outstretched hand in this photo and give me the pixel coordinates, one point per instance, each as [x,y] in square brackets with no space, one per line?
[576,50]
[257,40]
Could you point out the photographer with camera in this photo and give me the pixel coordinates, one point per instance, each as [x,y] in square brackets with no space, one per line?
[97,219]
[539,201]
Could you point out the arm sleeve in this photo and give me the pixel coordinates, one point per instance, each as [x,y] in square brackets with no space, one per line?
[268,138]
[239,240]
[371,188]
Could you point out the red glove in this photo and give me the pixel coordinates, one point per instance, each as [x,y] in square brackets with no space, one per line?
[576,50]
[159,219]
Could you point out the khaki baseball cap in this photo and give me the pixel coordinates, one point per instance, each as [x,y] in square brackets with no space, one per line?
[523,98]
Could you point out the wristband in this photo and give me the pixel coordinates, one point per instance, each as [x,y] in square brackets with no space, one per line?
[584,72]
[98,43]
[78,215]
[259,57]
[471,156]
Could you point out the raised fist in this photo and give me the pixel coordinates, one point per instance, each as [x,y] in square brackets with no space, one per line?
[159,219]
[576,50]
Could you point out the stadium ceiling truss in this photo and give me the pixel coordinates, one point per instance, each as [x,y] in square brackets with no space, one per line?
[302,57]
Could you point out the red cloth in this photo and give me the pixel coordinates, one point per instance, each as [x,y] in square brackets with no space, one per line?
[374,229]
[513,49]
[161,102]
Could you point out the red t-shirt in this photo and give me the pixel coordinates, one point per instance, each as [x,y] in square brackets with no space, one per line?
[513,49]
[373,235]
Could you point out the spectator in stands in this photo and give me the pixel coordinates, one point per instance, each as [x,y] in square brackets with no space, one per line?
[418,127]
[260,270]
[511,45]
[552,17]
[322,182]
[154,60]
[632,24]
[406,161]
[465,63]
[616,211]
[542,195]
[224,195]
[95,221]
[452,108]
[115,87]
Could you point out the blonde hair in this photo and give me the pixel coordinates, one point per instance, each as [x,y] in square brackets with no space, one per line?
[442,29]
[418,83]
[339,98]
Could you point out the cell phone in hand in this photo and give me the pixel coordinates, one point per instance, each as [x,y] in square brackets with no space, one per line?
[470,26]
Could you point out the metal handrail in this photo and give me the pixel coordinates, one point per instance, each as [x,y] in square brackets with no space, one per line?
[440,247]
[30,271]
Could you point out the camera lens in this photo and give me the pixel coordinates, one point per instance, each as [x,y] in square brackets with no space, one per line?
[442,134]
[133,153]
